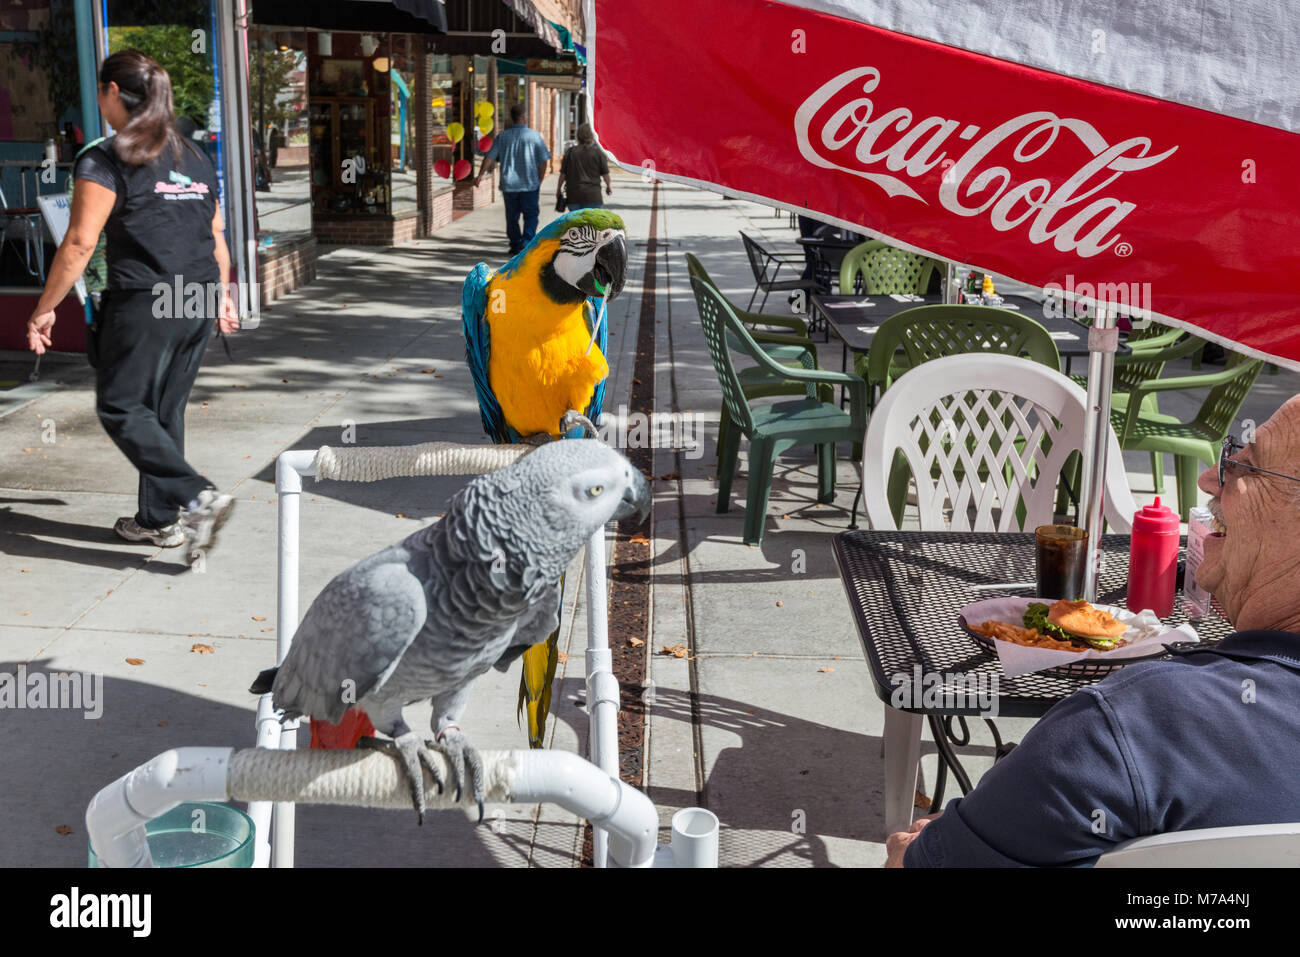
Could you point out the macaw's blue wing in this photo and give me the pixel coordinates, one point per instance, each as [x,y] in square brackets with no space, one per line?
[473,314]
[602,343]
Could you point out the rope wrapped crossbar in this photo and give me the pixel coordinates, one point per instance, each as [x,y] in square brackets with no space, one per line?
[356,778]
[370,464]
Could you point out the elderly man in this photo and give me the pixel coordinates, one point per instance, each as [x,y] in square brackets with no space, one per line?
[1209,738]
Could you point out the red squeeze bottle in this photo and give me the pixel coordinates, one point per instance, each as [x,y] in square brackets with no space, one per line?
[1153,560]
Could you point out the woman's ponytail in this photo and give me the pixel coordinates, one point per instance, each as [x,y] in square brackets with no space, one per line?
[146,92]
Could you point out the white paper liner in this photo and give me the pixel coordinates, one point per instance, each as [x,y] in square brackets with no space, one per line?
[1145,635]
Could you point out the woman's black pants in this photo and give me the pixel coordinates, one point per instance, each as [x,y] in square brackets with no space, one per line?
[146,367]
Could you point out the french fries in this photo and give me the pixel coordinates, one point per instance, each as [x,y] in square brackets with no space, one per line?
[1003,631]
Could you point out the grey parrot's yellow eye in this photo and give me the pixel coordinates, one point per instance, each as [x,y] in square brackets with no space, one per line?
[595,490]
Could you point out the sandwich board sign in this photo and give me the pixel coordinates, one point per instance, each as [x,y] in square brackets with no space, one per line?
[57,210]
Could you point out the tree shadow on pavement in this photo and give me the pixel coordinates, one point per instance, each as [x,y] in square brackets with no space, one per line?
[54,760]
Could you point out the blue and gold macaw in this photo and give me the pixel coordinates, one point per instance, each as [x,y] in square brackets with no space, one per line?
[535,335]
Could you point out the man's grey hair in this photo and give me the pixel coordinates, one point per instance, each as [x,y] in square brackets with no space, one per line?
[586,135]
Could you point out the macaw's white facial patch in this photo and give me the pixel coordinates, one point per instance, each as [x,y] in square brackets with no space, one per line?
[578,248]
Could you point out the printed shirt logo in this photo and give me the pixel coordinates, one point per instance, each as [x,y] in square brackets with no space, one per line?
[180,187]
[836,128]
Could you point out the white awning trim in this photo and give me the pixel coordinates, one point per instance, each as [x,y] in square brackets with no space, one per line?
[1212,54]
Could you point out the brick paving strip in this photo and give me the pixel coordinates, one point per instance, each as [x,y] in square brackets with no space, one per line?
[630,572]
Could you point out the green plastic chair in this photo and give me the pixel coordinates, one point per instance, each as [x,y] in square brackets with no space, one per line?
[790,342]
[932,332]
[772,429]
[757,381]
[1189,442]
[1145,363]
[875,268]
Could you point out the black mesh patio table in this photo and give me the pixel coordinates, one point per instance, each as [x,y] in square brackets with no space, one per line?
[905,589]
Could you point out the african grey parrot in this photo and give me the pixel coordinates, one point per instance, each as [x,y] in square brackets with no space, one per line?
[425,617]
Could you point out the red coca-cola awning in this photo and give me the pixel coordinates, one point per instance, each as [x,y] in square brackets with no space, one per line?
[1140,154]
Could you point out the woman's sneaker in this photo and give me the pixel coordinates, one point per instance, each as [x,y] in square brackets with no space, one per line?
[203,519]
[167,537]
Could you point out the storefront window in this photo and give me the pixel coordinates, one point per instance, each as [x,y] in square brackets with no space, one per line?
[349,125]
[277,98]
[181,36]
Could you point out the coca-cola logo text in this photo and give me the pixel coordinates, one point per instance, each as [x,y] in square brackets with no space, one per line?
[837,128]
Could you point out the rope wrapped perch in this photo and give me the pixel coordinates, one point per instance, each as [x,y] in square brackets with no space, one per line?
[370,464]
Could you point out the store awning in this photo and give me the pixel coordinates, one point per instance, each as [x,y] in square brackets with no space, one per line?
[510,28]
[370,16]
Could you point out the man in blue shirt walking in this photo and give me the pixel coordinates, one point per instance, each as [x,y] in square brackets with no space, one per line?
[522,155]
[1209,738]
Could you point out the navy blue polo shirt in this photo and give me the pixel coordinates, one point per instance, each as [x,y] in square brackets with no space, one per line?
[1210,738]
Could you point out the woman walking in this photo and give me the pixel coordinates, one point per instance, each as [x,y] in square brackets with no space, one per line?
[581,170]
[154,196]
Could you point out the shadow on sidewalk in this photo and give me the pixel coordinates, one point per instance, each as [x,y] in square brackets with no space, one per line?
[55,759]
[787,785]
[24,535]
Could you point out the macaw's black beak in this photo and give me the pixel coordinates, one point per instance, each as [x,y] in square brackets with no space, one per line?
[610,271]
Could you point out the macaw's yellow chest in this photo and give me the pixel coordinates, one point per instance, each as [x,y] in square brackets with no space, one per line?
[538,364]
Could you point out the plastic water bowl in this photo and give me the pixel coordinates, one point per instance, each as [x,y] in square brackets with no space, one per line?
[199,835]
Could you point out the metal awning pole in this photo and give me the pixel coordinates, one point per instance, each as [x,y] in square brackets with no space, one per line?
[1103,339]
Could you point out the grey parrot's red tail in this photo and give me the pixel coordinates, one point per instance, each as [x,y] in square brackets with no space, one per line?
[344,735]
[330,737]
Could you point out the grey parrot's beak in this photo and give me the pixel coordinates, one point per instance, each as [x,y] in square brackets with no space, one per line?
[610,271]
[636,498]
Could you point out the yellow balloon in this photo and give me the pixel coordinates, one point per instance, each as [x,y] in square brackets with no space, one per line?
[486,125]
[456,132]
[484,109]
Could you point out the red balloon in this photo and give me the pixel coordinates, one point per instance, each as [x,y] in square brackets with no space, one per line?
[442,168]
[462,169]
[484,144]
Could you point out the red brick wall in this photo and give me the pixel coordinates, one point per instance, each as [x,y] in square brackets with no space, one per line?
[440,211]
[366,230]
[282,269]
[469,196]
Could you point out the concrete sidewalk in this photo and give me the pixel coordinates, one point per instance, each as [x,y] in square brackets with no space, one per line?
[772,722]
[372,352]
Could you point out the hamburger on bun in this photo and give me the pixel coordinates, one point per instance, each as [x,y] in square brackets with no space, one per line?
[1080,618]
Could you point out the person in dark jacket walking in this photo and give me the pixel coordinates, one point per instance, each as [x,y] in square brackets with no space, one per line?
[581,170]
[154,196]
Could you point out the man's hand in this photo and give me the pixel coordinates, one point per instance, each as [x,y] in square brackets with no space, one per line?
[38,331]
[896,844]
[228,320]
[477,180]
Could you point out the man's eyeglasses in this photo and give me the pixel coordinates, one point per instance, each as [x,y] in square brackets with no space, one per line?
[1230,448]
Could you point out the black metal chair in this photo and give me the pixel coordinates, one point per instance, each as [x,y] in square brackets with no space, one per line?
[767,266]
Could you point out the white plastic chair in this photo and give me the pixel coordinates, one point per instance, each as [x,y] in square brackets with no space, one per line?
[1255,845]
[926,416]
[930,414]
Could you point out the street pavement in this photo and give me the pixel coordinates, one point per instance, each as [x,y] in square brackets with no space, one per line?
[770,720]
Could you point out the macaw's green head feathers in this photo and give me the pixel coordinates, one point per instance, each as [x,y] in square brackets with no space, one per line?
[592,253]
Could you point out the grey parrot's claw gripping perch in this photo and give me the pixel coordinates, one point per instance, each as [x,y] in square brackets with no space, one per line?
[463,759]
[411,752]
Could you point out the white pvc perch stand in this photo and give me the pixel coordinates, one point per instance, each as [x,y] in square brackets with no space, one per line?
[117,815]
[274,776]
